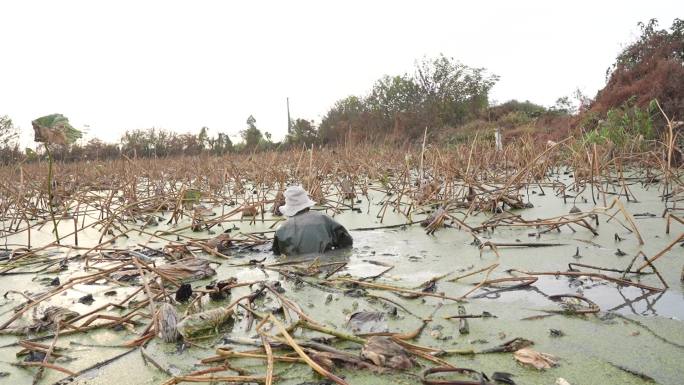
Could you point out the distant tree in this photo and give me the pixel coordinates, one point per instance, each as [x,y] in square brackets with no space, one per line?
[527,108]
[394,94]
[9,146]
[302,132]
[564,105]
[266,142]
[441,93]
[347,114]
[97,149]
[222,144]
[135,143]
[191,144]
[8,132]
[203,137]
[452,92]
[394,103]
[251,135]
[156,142]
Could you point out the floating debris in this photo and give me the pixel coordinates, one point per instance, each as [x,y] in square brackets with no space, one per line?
[535,359]
[87,299]
[168,323]
[188,269]
[384,352]
[144,213]
[207,321]
[184,292]
[367,322]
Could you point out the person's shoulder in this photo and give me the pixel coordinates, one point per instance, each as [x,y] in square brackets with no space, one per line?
[316,217]
[328,219]
[318,214]
[282,227]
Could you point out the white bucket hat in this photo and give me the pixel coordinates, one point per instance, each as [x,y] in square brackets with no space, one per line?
[296,200]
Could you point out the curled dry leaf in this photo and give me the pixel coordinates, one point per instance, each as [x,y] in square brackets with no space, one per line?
[187,269]
[204,322]
[51,318]
[534,358]
[220,242]
[382,351]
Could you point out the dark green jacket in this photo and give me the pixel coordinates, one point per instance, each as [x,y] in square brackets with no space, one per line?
[310,232]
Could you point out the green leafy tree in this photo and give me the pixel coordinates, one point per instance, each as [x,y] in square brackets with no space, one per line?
[452,92]
[251,135]
[266,142]
[203,137]
[222,144]
[9,146]
[392,95]
[8,132]
[345,115]
[441,93]
[526,108]
[302,132]
[394,104]
[563,105]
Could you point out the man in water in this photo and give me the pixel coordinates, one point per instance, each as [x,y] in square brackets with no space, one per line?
[307,231]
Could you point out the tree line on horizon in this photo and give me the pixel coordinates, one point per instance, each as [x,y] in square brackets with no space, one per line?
[441,93]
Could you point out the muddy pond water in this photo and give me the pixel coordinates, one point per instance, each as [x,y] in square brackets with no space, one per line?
[636,334]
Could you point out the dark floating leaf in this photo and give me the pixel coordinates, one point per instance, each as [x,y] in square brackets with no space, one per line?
[510,346]
[34,356]
[277,286]
[367,322]
[184,292]
[86,299]
[503,377]
[355,293]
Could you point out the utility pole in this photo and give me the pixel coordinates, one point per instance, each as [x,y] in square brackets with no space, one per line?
[289,121]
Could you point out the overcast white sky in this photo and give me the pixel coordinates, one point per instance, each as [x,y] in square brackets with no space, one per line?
[181,65]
